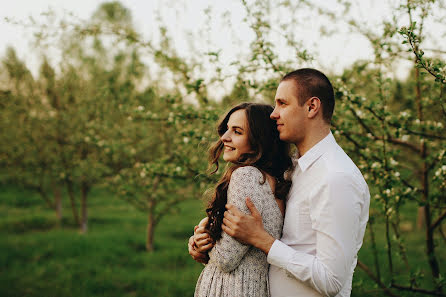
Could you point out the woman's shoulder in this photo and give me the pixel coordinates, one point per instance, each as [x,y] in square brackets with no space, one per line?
[247,173]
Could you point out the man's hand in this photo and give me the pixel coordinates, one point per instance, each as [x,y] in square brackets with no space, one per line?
[203,241]
[200,243]
[197,256]
[247,229]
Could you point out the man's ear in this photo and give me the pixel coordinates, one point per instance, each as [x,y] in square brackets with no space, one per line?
[314,106]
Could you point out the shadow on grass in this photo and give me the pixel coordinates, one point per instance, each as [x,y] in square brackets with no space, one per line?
[36,224]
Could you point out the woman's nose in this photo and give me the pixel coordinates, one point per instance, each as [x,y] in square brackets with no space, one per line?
[225,137]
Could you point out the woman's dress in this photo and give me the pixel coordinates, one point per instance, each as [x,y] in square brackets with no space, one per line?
[236,269]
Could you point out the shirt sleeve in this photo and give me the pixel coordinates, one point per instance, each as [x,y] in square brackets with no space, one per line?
[245,182]
[335,210]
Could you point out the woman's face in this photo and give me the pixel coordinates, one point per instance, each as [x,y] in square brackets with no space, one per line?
[235,139]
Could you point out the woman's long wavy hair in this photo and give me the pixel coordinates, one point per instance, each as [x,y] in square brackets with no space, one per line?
[269,154]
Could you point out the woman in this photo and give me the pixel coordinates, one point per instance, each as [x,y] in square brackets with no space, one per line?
[250,141]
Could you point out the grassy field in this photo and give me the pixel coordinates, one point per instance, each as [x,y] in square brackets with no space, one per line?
[38,258]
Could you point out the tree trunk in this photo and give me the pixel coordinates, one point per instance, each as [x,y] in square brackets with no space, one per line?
[150,231]
[421,219]
[84,192]
[45,197]
[58,202]
[151,223]
[421,222]
[73,202]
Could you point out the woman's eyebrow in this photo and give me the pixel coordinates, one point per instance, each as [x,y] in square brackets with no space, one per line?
[236,127]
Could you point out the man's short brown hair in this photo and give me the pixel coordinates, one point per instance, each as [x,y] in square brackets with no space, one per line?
[313,83]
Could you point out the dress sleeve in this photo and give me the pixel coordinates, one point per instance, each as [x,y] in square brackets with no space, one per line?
[245,182]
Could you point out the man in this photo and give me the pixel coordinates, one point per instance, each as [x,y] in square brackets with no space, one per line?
[327,207]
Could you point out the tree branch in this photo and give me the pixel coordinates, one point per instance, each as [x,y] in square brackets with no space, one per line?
[367,270]
[438,221]
[418,290]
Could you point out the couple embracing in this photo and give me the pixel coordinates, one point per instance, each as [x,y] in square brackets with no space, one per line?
[276,227]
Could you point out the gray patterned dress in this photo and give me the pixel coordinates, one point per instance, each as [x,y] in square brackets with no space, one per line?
[235,269]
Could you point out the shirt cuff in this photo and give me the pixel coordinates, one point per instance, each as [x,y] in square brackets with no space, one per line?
[280,254]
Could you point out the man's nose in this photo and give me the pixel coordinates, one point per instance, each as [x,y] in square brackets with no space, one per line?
[274,115]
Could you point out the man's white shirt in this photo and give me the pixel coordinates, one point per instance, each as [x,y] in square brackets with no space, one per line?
[326,215]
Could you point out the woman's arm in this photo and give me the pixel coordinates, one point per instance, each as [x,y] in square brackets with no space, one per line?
[245,182]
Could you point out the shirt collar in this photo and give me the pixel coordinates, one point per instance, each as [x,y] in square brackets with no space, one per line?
[316,151]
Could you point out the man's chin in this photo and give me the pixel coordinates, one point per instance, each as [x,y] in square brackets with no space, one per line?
[283,137]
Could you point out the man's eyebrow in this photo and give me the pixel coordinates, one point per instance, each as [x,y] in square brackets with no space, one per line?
[280,99]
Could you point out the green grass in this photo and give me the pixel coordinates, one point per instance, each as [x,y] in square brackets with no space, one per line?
[39,258]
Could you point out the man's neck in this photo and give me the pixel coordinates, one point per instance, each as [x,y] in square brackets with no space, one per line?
[311,139]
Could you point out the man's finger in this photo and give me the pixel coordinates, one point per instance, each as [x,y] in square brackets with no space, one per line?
[191,240]
[229,216]
[201,236]
[202,241]
[233,210]
[252,208]
[205,248]
[203,222]
[200,230]
[228,224]
[227,230]
[190,246]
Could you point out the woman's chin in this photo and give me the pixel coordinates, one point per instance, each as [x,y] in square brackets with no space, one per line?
[227,158]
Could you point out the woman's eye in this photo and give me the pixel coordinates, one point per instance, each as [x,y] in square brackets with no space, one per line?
[237,132]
